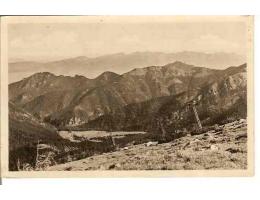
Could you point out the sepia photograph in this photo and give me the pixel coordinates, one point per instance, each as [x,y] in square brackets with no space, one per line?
[127,95]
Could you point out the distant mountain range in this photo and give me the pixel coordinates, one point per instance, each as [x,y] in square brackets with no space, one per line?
[119,63]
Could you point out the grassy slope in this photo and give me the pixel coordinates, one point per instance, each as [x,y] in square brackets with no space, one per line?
[224,149]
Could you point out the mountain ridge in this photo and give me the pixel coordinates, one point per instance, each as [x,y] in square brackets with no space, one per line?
[220,101]
[65,100]
[121,63]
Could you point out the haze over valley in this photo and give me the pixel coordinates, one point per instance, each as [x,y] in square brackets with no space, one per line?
[119,63]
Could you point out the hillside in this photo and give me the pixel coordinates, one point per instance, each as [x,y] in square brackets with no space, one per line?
[25,131]
[220,100]
[221,148]
[136,86]
[44,93]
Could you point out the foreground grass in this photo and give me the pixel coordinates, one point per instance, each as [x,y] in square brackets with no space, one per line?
[216,149]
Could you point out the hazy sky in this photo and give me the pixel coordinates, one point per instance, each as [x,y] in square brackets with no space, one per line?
[56,41]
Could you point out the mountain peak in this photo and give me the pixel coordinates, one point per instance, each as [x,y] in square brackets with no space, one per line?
[107,73]
[107,76]
[177,63]
[42,75]
[80,76]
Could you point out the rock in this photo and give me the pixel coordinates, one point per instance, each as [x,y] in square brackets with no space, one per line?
[137,157]
[118,165]
[196,149]
[148,144]
[206,134]
[214,147]
[187,144]
[112,166]
[68,169]
[197,142]
[163,168]
[204,138]
[242,121]
[102,167]
[233,150]
[205,147]
[219,132]
[125,148]
[240,136]
[212,140]
[217,128]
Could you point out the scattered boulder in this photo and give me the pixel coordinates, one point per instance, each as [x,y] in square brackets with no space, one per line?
[233,150]
[148,144]
[163,168]
[196,149]
[118,165]
[214,147]
[102,167]
[206,134]
[238,126]
[240,136]
[212,140]
[242,121]
[205,147]
[68,169]
[112,166]
[218,128]
[197,142]
[187,144]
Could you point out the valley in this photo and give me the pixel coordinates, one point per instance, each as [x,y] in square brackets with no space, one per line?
[94,135]
[141,119]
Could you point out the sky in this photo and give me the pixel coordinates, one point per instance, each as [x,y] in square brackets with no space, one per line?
[53,41]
